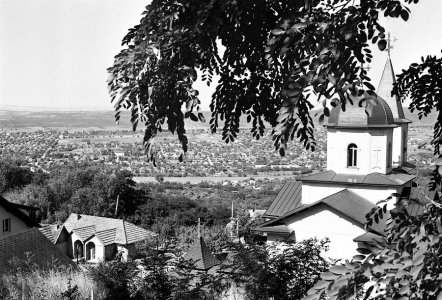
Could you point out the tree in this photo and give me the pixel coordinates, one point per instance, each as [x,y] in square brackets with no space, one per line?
[422,82]
[284,271]
[277,55]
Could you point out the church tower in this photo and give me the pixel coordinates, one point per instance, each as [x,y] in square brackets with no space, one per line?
[360,144]
[400,133]
[365,153]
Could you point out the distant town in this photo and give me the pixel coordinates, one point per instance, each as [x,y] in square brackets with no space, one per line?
[208,156]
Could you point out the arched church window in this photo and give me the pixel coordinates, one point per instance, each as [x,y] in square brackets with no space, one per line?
[352,155]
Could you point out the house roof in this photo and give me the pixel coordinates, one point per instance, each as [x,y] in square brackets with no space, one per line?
[107,237]
[384,90]
[125,233]
[347,202]
[355,116]
[52,232]
[31,243]
[288,198]
[13,209]
[376,179]
[201,255]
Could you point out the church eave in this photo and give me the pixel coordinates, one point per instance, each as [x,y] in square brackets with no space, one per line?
[402,121]
[360,126]
[329,182]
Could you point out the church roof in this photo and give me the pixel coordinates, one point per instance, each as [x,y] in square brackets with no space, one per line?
[201,255]
[384,91]
[376,179]
[346,202]
[355,116]
[288,198]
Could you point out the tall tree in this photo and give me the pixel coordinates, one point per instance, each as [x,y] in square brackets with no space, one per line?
[274,56]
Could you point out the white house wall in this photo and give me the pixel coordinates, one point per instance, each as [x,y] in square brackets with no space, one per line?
[320,222]
[17,225]
[99,249]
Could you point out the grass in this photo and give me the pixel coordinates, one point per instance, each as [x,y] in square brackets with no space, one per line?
[46,285]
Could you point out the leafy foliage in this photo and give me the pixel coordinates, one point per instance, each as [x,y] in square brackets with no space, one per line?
[278,271]
[116,278]
[270,56]
[422,82]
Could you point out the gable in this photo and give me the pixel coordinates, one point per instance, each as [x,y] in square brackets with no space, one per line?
[10,209]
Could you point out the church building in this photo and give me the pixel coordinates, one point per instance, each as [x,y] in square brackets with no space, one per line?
[366,163]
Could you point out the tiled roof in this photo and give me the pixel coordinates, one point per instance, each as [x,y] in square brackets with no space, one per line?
[355,116]
[348,203]
[288,198]
[47,232]
[13,209]
[35,244]
[201,255]
[125,232]
[393,179]
[107,237]
[52,232]
[384,90]
[85,232]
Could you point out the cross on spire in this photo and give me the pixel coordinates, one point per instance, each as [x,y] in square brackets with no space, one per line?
[199,227]
[390,40]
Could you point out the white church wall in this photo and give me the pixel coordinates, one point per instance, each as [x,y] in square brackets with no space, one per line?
[379,151]
[371,154]
[374,194]
[320,222]
[315,192]
[337,143]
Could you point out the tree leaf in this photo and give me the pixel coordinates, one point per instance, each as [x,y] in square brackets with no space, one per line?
[382,44]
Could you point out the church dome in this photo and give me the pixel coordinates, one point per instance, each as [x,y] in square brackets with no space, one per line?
[355,116]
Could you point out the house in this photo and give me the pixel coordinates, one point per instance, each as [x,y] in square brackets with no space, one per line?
[15,218]
[31,246]
[96,239]
[366,163]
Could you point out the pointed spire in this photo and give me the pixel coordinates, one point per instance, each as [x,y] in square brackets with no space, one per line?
[384,90]
[200,253]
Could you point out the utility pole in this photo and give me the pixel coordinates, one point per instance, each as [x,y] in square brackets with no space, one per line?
[116,207]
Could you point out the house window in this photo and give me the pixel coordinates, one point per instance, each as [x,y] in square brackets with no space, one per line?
[7,225]
[352,155]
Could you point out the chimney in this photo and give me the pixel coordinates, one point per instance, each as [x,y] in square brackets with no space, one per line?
[78,217]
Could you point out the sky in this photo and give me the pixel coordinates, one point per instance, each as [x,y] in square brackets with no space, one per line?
[54,53]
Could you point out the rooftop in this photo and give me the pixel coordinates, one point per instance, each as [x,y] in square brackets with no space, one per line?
[122,232]
[356,116]
[288,198]
[34,245]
